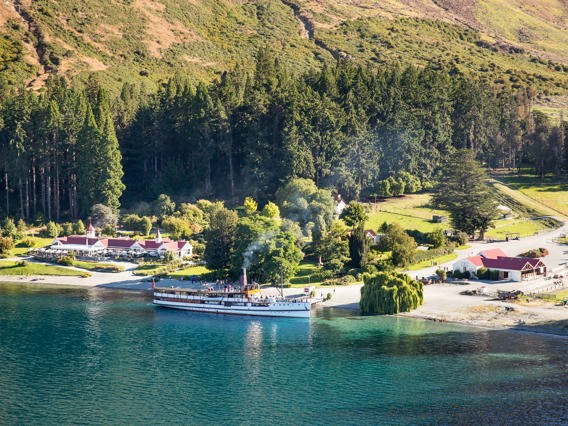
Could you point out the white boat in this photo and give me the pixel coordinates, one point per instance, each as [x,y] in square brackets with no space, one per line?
[236,302]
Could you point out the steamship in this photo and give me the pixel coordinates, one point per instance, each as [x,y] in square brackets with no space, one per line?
[243,300]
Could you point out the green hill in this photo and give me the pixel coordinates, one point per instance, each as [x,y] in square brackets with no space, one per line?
[517,42]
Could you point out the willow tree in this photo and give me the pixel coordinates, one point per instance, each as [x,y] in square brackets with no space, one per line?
[390,293]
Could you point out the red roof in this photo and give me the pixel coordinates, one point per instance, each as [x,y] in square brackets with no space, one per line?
[121,242]
[476,260]
[78,239]
[511,263]
[493,253]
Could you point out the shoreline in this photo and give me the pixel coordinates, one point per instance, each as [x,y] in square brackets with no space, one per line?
[442,303]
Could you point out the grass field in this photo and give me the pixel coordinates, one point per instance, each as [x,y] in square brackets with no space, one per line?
[150,269]
[523,227]
[550,194]
[98,266]
[411,212]
[192,271]
[19,250]
[435,261]
[8,267]
[561,295]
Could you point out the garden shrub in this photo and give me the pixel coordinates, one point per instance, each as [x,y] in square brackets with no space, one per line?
[66,261]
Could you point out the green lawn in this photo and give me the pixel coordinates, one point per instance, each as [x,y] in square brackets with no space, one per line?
[561,295]
[19,250]
[97,266]
[150,269]
[8,267]
[196,271]
[411,212]
[431,262]
[523,227]
[549,193]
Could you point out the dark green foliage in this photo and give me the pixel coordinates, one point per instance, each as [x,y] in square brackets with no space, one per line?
[463,192]
[461,238]
[354,215]
[358,130]
[221,239]
[401,245]
[334,252]
[437,238]
[67,229]
[390,293]
[359,246]
[164,206]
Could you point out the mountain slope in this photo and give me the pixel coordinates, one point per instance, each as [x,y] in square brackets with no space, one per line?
[516,42]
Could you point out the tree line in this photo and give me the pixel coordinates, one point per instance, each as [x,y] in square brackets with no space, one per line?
[362,131]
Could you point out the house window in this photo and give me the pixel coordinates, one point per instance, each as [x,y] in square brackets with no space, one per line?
[505,275]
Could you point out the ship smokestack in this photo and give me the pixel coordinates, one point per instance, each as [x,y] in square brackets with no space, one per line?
[244,278]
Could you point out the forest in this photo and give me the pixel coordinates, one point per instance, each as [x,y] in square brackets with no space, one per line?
[347,127]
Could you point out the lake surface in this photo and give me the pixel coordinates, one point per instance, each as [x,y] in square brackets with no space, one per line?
[96,356]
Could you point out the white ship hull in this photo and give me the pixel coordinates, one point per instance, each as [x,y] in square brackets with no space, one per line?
[232,305]
[303,311]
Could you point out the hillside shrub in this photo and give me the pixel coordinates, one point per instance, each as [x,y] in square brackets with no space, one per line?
[461,238]
[27,242]
[345,280]
[421,256]
[535,253]
[6,244]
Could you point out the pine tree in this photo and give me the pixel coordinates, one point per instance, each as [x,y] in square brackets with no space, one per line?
[462,191]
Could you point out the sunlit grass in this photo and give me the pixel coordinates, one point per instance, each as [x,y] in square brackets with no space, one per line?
[192,271]
[432,262]
[551,195]
[411,212]
[8,267]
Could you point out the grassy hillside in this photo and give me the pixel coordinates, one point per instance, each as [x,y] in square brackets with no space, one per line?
[517,42]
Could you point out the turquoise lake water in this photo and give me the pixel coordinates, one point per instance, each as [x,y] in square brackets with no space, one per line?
[96,356]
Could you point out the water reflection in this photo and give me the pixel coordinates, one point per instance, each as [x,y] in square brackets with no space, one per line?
[253,341]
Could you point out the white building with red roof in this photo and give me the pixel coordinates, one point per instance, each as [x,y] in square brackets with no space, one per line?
[92,245]
[492,253]
[85,246]
[161,246]
[509,268]
[469,264]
